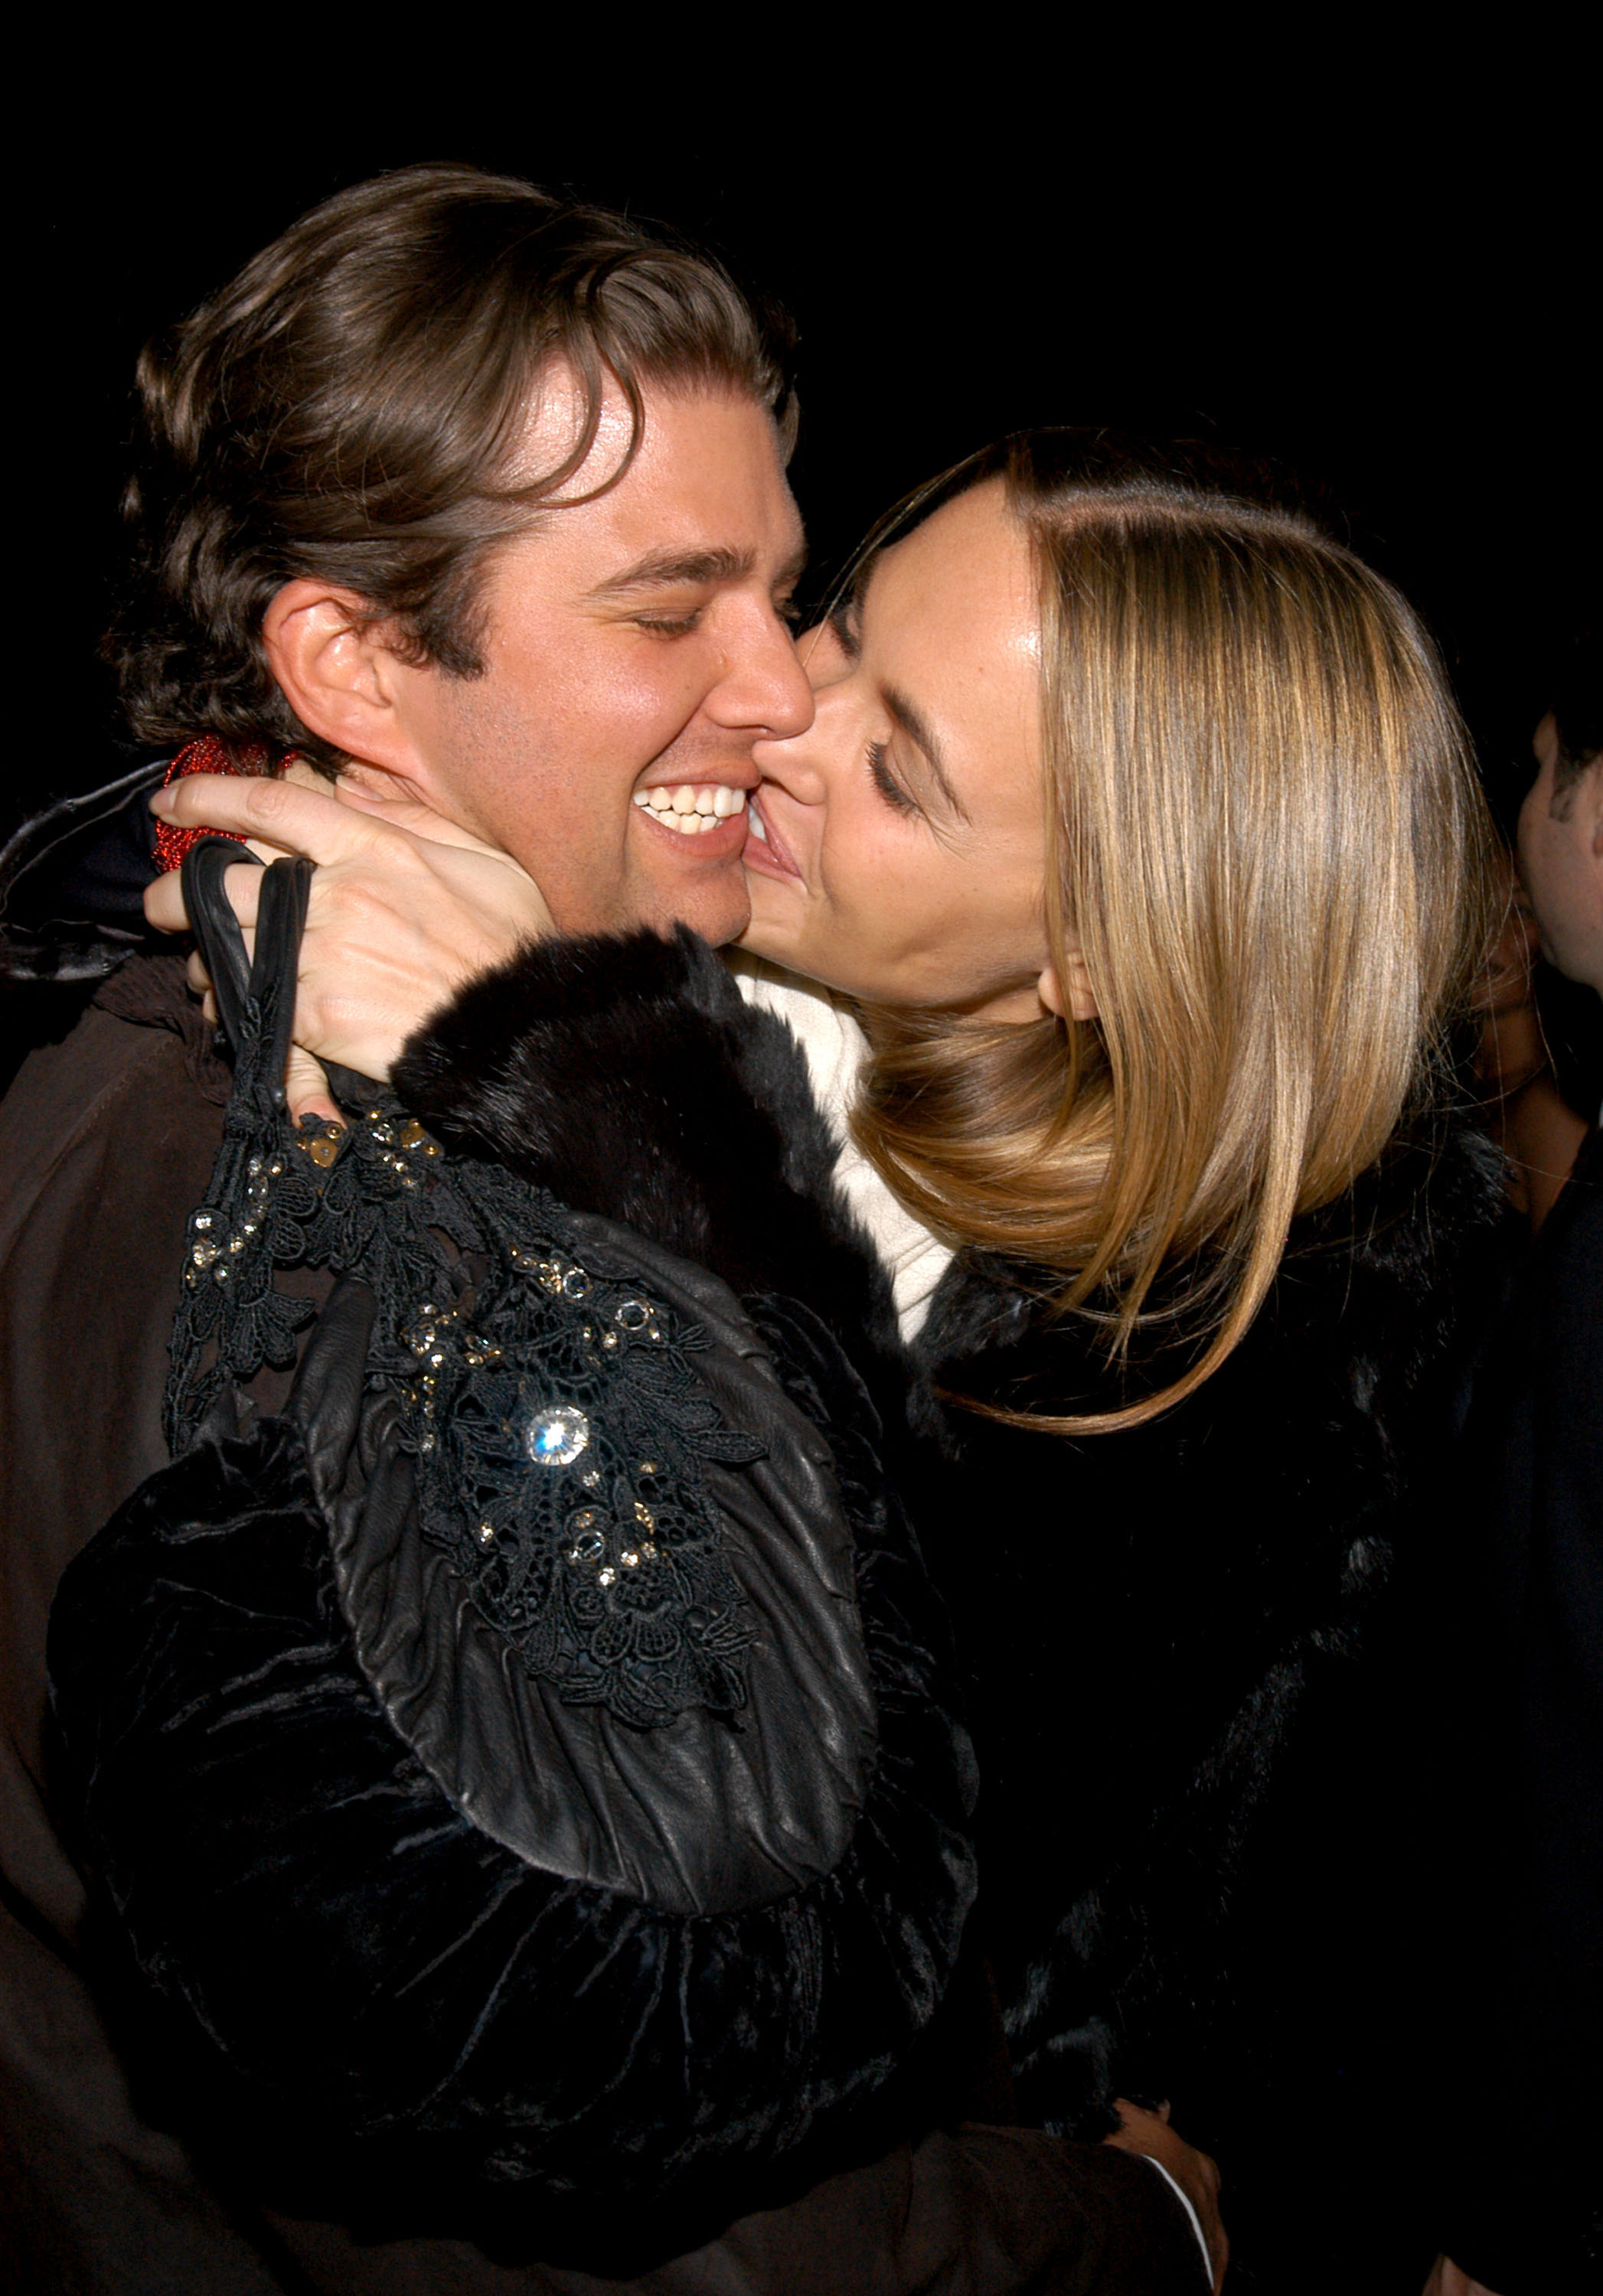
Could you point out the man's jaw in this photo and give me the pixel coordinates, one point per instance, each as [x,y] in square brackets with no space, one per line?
[687,838]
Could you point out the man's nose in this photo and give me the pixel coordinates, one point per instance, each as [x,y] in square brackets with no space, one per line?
[764,689]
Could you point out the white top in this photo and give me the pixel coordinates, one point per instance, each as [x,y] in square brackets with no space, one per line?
[824,1025]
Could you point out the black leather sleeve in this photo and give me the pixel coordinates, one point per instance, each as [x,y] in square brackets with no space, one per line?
[72,882]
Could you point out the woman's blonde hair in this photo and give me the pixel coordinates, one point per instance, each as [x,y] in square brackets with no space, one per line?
[1265,831]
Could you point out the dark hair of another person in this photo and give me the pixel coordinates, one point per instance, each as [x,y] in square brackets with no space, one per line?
[352,407]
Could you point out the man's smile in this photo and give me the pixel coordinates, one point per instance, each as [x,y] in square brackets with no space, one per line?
[713,814]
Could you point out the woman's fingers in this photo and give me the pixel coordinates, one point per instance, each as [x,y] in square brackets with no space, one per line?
[164,904]
[396,922]
[279,812]
[401,809]
[164,899]
[306,1089]
[347,821]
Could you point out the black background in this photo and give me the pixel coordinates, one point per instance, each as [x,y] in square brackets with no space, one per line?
[1387,286]
[1390,298]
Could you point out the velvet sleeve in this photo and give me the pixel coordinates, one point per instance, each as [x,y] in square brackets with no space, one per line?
[353,1960]
[384,2009]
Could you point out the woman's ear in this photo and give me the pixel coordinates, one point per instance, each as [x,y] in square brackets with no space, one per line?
[1068,993]
[327,654]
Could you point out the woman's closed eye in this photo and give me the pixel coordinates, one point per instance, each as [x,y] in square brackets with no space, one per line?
[885,782]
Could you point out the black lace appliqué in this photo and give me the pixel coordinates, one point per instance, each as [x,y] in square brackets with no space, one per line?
[555,1411]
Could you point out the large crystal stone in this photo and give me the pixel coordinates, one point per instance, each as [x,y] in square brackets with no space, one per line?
[554,1437]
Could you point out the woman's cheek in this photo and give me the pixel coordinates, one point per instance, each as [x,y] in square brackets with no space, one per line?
[851,863]
[902,907]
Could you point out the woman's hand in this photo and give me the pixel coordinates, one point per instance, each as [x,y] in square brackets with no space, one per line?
[1197,2176]
[397,921]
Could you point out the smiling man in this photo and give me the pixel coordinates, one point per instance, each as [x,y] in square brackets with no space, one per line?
[476,502]
[631,645]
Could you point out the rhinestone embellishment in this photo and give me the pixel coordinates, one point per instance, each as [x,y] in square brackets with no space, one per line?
[515,1379]
[554,1438]
[588,1535]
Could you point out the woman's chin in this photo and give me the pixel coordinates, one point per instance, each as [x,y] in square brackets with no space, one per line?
[774,930]
[777,908]
[760,939]
[787,929]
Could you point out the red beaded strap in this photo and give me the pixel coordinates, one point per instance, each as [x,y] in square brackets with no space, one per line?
[206,755]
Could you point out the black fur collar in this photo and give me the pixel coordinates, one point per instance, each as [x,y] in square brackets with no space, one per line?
[628,1076]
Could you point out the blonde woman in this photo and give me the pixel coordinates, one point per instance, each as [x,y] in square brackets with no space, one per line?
[1107,923]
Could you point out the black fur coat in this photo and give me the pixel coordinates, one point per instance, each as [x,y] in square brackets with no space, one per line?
[1187,1645]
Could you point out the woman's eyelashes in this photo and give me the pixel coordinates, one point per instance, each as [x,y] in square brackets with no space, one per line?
[885,782]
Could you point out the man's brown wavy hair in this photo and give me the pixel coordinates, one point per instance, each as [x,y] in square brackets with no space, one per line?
[1264,828]
[350,409]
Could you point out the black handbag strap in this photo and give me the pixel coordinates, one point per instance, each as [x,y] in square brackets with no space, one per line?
[217,929]
[249,991]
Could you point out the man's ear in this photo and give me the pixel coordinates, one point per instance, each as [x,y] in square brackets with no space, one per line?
[338,676]
[1068,992]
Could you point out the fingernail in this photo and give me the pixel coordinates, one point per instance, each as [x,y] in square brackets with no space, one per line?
[161,801]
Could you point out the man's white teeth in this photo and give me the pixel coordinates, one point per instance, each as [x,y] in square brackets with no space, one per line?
[690,810]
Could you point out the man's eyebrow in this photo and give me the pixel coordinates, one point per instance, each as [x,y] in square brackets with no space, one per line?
[666,569]
[918,730]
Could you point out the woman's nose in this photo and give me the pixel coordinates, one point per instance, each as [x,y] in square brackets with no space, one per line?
[801,765]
